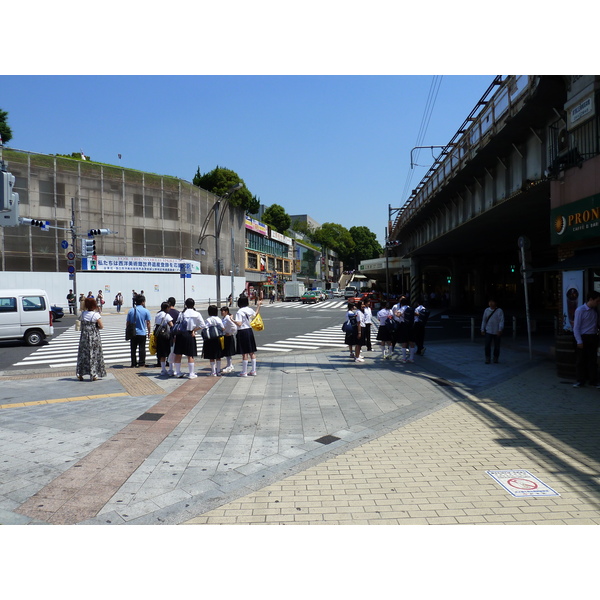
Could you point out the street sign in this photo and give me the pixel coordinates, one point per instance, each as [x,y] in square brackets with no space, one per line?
[64,244]
[70,255]
[521,483]
[71,269]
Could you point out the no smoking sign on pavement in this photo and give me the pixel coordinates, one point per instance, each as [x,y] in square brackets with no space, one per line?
[521,483]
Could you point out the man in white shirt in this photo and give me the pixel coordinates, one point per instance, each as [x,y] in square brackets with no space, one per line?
[492,326]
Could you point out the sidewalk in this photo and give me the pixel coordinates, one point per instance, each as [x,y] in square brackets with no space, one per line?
[313,439]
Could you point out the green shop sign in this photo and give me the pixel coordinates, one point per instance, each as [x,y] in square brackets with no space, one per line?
[576,221]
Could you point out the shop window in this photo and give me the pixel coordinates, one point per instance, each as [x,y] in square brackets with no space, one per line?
[252,261]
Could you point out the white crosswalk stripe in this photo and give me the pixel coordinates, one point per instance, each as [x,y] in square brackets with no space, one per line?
[61,351]
[326,304]
[330,337]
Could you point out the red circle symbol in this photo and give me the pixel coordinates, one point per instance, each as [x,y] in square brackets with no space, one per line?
[522,484]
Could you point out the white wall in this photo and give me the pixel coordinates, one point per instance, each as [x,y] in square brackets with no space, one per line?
[157,286]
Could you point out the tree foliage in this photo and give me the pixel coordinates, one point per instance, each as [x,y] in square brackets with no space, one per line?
[336,237]
[277,218]
[366,245]
[219,180]
[5,130]
[303,227]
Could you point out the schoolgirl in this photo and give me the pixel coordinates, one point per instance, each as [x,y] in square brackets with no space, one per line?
[163,343]
[368,318]
[212,347]
[405,330]
[353,338]
[230,329]
[385,333]
[246,345]
[185,342]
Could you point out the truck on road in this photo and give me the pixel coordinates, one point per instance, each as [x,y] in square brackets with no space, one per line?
[293,290]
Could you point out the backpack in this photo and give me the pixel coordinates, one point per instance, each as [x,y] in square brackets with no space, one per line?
[409,315]
[162,331]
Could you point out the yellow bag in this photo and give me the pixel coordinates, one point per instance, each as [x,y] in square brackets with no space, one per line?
[152,344]
[257,323]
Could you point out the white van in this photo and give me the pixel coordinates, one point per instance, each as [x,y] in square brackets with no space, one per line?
[350,291]
[25,315]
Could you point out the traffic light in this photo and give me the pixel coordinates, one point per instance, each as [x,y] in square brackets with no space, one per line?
[93,232]
[9,200]
[88,247]
[43,225]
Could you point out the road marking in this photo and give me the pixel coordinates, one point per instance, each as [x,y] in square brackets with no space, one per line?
[60,400]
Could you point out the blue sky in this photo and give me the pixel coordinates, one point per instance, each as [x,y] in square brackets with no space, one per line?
[335,147]
[316,105]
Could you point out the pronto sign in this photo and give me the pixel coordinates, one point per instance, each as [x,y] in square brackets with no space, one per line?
[576,220]
[521,483]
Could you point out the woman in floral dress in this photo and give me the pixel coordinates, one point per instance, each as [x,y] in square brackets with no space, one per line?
[90,360]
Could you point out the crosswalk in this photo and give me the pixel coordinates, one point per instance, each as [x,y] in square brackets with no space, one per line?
[61,351]
[329,337]
[324,305]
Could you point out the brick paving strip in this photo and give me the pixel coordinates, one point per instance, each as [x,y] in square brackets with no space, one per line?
[81,491]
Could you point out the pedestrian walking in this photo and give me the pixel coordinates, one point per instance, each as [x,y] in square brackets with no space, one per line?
[353,338]
[90,360]
[81,302]
[386,331]
[185,341]
[229,333]
[421,318]
[118,301]
[163,322]
[492,325]
[71,302]
[245,342]
[100,301]
[585,330]
[272,297]
[175,315]
[211,348]
[139,315]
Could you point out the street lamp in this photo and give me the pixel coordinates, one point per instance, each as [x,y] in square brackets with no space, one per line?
[218,222]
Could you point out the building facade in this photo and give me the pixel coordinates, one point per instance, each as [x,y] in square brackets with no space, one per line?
[156,222]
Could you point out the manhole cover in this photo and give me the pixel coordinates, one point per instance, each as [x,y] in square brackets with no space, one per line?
[327,439]
[150,417]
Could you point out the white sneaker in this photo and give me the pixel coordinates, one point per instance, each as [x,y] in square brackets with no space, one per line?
[252,373]
[192,376]
[359,359]
[227,369]
[243,375]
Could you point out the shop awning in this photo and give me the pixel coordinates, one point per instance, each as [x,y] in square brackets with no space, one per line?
[585,259]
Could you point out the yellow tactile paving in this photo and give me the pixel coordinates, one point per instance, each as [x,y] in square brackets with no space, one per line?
[59,400]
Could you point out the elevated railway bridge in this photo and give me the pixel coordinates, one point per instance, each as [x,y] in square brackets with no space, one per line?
[497,180]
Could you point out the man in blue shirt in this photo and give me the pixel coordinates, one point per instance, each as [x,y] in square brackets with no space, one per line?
[585,330]
[139,315]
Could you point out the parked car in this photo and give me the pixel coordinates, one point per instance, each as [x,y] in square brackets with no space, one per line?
[310,296]
[25,315]
[57,313]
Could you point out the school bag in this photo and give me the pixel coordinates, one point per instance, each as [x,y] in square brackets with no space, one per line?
[162,331]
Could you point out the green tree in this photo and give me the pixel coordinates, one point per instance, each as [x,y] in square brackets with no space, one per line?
[336,237]
[277,218]
[5,130]
[366,246]
[219,180]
